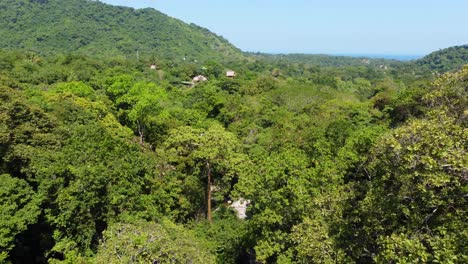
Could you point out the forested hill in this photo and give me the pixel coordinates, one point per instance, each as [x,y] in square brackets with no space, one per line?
[97,29]
[444,60]
[326,60]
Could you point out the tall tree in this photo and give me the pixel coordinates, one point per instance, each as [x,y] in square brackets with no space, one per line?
[143,105]
[213,154]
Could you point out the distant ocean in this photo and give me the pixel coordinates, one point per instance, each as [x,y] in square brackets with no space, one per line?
[384,56]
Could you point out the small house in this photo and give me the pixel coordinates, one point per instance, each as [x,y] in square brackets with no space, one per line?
[199,78]
[231,74]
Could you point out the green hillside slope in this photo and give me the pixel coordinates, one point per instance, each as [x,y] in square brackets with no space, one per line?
[444,60]
[98,29]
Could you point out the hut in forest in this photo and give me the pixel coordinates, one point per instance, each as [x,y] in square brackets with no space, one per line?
[199,78]
[231,74]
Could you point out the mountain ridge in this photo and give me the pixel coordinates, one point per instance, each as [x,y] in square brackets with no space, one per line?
[99,29]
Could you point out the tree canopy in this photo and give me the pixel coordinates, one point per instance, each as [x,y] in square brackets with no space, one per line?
[331,160]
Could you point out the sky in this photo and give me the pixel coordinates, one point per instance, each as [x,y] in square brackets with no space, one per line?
[398,27]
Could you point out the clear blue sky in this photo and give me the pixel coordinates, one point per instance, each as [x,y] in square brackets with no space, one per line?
[412,27]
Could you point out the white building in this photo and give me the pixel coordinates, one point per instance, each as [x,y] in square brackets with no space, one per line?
[231,74]
[199,78]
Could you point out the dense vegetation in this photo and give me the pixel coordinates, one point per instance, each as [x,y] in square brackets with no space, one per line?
[327,60]
[104,160]
[93,28]
[444,60]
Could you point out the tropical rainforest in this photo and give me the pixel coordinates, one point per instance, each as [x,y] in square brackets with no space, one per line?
[110,153]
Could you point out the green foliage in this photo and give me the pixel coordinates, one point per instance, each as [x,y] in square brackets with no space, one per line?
[414,208]
[324,60]
[226,235]
[142,105]
[150,242]
[445,60]
[209,156]
[350,164]
[420,168]
[20,207]
[448,97]
[208,99]
[98,29]
[314,244]
[262,84]
[229,85]
[403,249]
[75,88]
[279,185]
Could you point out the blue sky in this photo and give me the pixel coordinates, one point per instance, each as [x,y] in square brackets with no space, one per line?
[403,27]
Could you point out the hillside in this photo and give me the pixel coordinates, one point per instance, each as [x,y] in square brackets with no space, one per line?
[326,60]
[444,60]
[98,29]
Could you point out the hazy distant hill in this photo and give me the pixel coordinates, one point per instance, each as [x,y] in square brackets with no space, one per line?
[98,29]
[444,60]
[326,60]
[449,59]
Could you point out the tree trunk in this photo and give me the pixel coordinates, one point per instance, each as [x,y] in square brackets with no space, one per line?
[208,204]
[140,132]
